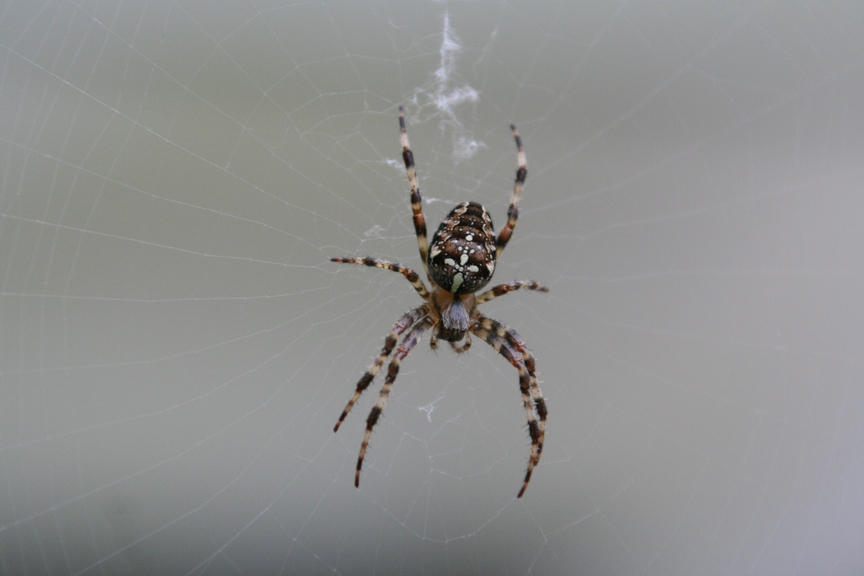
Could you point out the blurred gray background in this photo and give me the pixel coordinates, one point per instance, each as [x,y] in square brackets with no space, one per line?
[175,346]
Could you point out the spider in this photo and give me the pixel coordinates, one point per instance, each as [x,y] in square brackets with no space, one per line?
[459,262]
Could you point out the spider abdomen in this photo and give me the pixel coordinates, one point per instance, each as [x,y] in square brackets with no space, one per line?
[462,253]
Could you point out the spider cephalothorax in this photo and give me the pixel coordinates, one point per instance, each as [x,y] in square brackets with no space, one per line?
[459,262]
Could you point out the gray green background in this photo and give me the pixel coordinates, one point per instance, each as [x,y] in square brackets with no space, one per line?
[175,346]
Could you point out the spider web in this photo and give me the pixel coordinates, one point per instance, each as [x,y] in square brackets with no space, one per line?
[175,346]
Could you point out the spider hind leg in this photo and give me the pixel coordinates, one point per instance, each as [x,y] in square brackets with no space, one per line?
[416,198]
[513,211]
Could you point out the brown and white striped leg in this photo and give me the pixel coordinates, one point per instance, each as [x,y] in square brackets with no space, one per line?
[408,319]
[502,289]
[518,344]
[416,199]
[500,344]
[513,211]
[408,273]
[402,351]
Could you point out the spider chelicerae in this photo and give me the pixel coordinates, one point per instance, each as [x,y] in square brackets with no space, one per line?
[459,262]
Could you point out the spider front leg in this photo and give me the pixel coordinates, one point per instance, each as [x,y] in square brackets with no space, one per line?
[513,211]
[518,344]
[407,320]
[509,344]
[402,351]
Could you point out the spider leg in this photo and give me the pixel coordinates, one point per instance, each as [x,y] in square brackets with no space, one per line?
[416,199]
[407,320]
[502,289]
[402,351]
[518,344]
[409,274]
[509,344]
[513,211]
